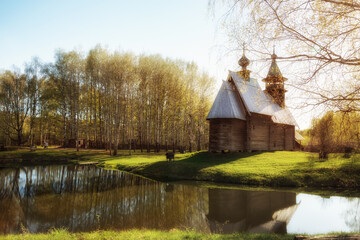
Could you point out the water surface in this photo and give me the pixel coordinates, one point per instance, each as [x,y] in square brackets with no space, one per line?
[86,198]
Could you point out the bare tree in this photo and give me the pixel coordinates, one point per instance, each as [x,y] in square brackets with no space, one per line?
[319,36]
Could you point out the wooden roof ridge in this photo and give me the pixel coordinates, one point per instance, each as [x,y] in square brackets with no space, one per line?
[239,98]
[227,104]
[256,101]
[230,79]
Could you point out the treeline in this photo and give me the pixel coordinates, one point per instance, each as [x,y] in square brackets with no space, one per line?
[106,100]
[334,132]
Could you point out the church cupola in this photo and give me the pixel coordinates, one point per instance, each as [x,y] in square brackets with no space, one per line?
[244,62]
[274,82]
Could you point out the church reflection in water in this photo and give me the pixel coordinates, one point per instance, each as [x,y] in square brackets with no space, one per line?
[232,211]
[88,198]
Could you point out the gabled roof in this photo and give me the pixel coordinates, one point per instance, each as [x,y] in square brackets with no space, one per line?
[254,99]
[298,136]
[226,104]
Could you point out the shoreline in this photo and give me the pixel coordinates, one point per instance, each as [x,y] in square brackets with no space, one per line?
[334,174]
[264,170]
[171,234]
[320,191]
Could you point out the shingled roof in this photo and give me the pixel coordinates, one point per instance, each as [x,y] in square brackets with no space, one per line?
[254,100]
[227,104]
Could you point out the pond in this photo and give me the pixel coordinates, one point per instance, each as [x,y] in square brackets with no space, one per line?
[87,198]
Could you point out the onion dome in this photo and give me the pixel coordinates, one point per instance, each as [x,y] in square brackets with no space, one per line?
[244,61]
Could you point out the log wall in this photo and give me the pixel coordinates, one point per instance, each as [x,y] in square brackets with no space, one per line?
[227,134]
[258,133]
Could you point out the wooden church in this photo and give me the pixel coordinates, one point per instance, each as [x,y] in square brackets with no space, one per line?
[243,117]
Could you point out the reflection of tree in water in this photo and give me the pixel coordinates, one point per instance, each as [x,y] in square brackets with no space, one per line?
[85,198]
[9,187]
[352,215]
[73,197]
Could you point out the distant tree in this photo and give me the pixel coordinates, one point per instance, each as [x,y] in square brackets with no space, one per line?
[15,96]
[33,74]
[322,134]
[95,61]
[110,100]
[57,80]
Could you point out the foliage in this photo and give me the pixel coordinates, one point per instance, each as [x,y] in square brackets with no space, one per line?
[322,132]
[335,131]
[14,104]
[109,100]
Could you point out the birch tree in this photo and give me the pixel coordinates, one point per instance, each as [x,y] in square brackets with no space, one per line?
[15,91]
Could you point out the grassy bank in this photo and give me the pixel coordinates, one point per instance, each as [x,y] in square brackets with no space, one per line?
[271,169]
[143,234]
[156,234]
[24,156]
[275,169]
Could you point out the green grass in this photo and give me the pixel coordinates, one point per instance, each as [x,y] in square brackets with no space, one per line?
[155,235]
[23,156]
[269,169]
[274,169]
[46,156]
[143,234]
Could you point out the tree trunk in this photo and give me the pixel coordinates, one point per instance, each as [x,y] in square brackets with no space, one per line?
[64,129]
[199,139]
[95,121]
[19,133]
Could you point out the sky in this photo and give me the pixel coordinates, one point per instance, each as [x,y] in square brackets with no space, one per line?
[178,29]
